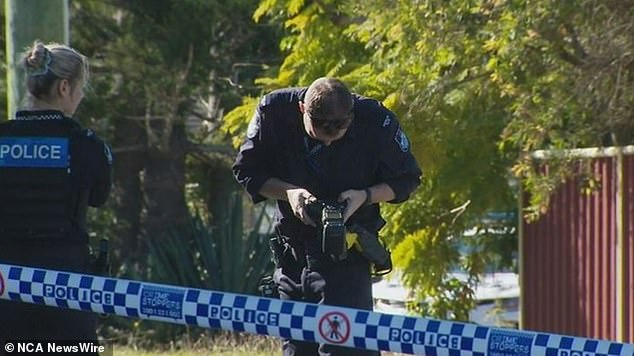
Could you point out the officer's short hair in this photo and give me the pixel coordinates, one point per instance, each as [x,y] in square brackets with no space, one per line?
[45,64]
[326,96]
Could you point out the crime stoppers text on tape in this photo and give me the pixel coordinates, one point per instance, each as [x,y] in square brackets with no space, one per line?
[340,326]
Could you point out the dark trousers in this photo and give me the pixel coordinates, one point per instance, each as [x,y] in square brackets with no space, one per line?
[348,284]
[22,321]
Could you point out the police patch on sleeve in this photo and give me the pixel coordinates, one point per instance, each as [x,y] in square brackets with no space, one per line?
[108,153]
[402,140]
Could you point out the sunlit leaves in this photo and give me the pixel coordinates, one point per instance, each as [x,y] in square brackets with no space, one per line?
[234,123]
[476,84]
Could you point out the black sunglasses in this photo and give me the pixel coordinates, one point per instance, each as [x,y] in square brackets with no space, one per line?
[333,124]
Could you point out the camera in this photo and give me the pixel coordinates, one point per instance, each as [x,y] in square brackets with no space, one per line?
[267,287]
[331,229]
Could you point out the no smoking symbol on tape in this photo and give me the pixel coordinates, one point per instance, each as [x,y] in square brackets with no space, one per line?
[334,327]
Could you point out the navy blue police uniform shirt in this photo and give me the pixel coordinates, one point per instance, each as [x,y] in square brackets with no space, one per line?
[92,158]
[373,150]
[25,143]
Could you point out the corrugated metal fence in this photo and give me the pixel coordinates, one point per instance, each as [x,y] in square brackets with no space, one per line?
[628,329]
[577,261]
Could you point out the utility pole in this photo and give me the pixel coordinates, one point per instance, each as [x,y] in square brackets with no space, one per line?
[27,21]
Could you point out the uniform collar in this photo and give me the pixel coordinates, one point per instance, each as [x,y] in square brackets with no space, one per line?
[39,115]
[354,125]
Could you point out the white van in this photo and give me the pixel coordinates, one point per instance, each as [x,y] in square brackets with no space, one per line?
[496,295]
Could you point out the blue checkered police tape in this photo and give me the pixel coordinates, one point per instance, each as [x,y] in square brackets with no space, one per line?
[287,319]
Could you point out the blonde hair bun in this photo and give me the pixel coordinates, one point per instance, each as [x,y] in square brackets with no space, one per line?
[38,60]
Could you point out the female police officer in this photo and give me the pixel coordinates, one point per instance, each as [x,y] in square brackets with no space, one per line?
[322,142]
[51,170]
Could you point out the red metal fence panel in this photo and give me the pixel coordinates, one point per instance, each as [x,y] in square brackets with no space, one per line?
[628,332]
[569,270]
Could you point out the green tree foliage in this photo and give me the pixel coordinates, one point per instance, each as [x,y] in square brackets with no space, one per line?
[164,72]
[476,84]
[224,257]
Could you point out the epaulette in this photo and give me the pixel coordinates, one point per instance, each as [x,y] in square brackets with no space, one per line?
[281,96]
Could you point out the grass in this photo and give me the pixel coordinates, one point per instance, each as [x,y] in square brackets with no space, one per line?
[130,352]
[148,338]
[242,351]
[223,344]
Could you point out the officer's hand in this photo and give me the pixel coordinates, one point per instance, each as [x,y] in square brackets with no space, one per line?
[313,285]
[286,286]
[354,199]
[298,198]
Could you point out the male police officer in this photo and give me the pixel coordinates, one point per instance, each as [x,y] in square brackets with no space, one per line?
[324,143]
[51,171]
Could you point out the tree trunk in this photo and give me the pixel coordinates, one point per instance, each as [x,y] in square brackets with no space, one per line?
[129,158]
[220,189]
[164,185]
